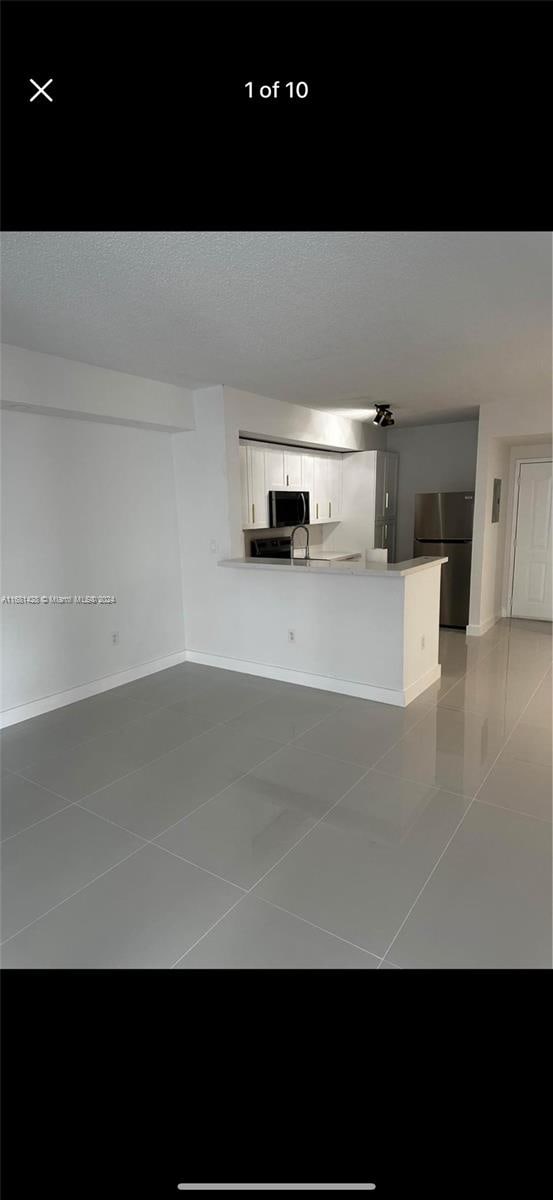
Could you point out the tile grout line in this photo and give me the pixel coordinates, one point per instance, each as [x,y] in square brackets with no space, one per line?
[321,928]
[5,941]
[145,841]
[285,855]
[435,708]
[517,812]
[159,708]
[290,743]
[110,694]
[152,842]
[203,935]
[65,804]
[134,771]
[207,800]
[352,761]
[79,802]
[458,826]
[419,782]
[197,866]
[20,772]
[134,720]
[218,725]
[85,741]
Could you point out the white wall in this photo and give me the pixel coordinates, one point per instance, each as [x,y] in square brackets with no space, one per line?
[346,626]
[366,634]
[62,387]
[432,458]
[501,426]
[87,508]
[202,508]
[421,624]
[96,506]
[207,465]
[487,570]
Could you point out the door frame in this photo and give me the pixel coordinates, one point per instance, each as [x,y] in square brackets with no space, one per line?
[519,462]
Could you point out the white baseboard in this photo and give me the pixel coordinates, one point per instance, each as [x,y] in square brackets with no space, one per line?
[480,630]
[326,683]
[420,685]
[23,712]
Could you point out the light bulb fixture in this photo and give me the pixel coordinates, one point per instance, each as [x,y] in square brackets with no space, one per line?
[383,416]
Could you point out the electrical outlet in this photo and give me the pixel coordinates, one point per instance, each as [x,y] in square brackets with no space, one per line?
[115,639]
[213,547]
[291,635]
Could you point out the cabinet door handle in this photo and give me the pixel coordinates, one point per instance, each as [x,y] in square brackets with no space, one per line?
[253,512]
[329,509]
[386,499]
[287,484]
[317,508]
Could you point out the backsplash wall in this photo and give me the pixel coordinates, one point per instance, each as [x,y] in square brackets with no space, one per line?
[316,536]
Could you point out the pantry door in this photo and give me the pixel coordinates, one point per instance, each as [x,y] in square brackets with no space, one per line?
[532,590]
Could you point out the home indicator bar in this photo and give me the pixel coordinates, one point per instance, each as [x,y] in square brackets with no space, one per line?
[276,1187]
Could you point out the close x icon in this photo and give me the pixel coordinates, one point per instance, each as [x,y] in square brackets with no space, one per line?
[41,90]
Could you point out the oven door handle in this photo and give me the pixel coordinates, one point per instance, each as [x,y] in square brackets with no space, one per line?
[304,507]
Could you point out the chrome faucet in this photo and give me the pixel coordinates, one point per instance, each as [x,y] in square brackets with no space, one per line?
[293,534]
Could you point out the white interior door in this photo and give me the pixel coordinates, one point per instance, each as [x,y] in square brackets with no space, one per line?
[532,592]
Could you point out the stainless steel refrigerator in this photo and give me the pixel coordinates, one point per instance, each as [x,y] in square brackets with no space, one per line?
[443,526]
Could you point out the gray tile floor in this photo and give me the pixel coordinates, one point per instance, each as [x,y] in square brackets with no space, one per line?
[200,818]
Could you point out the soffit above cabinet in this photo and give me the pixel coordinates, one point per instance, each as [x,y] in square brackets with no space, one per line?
[299,448]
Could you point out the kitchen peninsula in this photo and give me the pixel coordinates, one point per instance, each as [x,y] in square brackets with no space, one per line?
[368,631]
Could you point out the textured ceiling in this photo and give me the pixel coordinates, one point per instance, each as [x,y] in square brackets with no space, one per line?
[432,323]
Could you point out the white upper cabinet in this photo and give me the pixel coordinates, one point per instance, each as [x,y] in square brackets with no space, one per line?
[266,468]
[282,470]
[326,502]
[274,470]
[334,487]
[244,488]
[307,463]
[319,497]
[390,485]
[386,485]
[367,522]
[380,492]
[254,490]
[292,471]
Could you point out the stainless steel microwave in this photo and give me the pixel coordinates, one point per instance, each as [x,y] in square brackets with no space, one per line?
[288,508]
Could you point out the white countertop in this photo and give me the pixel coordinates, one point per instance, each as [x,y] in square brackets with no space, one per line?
[335,566]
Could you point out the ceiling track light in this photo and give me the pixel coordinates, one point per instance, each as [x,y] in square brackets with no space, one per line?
[383,416]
